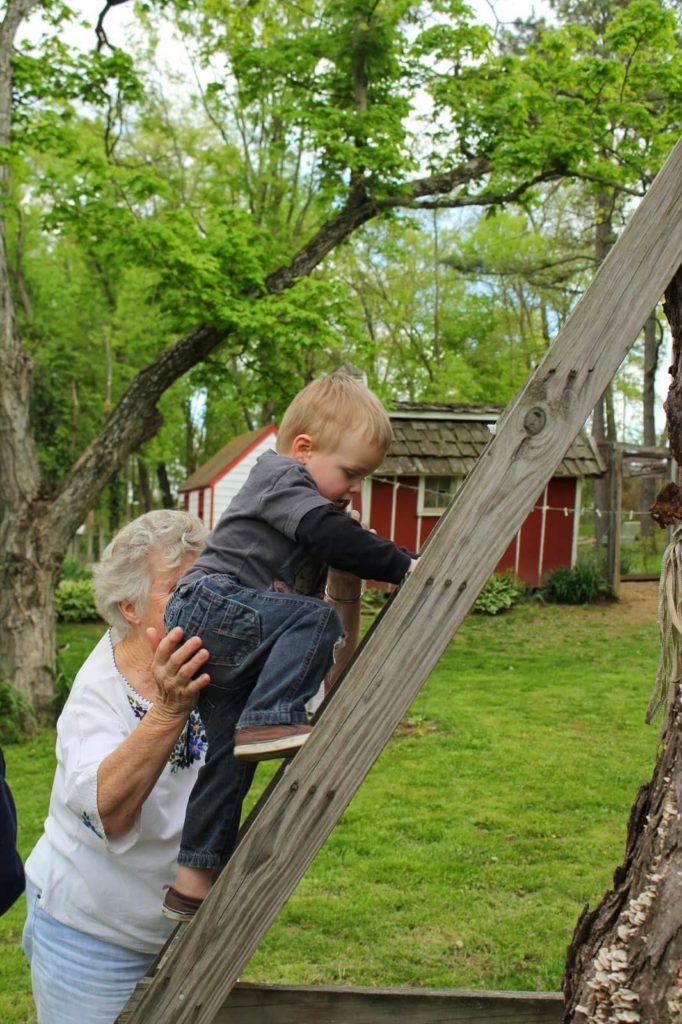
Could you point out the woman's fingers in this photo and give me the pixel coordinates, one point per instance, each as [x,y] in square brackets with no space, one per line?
[173,659]
[190,659]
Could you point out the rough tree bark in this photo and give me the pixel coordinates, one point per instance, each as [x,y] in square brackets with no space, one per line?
[624,963]
[36,527]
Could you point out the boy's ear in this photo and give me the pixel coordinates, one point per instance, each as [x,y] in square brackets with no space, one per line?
[301,448]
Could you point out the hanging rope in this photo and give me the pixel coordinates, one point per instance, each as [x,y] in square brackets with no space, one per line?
[669,672]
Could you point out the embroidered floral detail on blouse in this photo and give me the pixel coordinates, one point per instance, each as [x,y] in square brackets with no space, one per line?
[190,744]
[85,820]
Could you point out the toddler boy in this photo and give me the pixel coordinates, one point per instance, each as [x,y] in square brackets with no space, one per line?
[254,596]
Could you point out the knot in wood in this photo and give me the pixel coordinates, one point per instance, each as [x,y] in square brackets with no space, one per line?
[535,420]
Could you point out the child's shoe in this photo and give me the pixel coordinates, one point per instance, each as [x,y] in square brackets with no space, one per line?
[264,742]
[179,907]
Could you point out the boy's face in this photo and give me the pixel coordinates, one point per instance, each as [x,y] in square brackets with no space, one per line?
[339,473]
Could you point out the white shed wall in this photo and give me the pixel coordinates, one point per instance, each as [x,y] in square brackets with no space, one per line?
[227,486]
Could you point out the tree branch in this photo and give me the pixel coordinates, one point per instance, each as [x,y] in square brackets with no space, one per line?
[133,420]
[136,418]
[359,209]
[102,40]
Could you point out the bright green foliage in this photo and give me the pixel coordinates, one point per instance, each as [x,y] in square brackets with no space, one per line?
[75,601]
[138,214]
[581,584]
[73,569]
[499,594]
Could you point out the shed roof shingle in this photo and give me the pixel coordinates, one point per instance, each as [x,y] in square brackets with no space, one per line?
[439,439]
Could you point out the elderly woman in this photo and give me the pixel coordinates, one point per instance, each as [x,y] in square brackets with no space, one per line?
[129,746]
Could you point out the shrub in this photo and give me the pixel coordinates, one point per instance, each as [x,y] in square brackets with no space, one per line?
[74,601]
[72,569]
[500,592]
[17,717]
[62,687]
[374,599]
[582,584]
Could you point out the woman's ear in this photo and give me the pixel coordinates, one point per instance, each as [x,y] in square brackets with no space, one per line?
[129,612]
[301,448]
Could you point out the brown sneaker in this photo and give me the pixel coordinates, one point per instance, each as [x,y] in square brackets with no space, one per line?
[179,907]
[264,742]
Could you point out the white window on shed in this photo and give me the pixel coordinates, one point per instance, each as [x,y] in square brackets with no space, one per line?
[436,493]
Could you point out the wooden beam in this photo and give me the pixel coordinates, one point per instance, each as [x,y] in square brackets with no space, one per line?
[198,970]
[614,535]
[312,1004]
[300,1004]
[644,451]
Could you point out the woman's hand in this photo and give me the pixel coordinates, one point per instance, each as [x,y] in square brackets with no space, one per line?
[127,776]
[176,668]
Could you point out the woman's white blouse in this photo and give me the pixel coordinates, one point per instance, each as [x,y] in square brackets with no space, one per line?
[111,888]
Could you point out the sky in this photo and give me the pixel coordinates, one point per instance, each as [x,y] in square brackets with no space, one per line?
[120,21]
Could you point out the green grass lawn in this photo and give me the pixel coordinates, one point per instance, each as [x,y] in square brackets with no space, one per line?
[498,809]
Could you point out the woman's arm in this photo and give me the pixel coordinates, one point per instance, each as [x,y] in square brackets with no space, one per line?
[127,776]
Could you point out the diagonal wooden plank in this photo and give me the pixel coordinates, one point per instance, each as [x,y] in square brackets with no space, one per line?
[202,964]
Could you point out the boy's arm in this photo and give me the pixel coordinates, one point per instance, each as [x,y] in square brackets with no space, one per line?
[345,545]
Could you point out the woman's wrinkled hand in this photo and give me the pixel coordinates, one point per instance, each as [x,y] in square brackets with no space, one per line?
[176,668]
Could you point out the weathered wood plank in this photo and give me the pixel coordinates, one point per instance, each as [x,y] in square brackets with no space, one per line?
[276,1004]
[614,459]
[305,1004]
[300,811]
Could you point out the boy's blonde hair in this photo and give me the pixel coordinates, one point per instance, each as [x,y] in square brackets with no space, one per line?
[331,405]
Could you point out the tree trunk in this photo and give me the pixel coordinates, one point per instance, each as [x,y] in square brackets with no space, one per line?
[30,570]
[146,496]
[625,960]
[164,485]
[27,569]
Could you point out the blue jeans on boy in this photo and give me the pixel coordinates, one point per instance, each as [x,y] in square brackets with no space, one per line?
[269,652]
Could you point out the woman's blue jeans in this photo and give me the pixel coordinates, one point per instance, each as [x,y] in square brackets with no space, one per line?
[76,977]
[269,652]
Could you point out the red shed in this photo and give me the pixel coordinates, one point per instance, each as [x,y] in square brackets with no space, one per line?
[434,447]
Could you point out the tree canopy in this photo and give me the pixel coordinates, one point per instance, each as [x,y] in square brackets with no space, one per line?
[389,182]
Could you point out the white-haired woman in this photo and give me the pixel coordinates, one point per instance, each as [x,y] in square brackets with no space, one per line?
[129,746]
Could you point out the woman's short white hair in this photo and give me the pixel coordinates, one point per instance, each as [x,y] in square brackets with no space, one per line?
[156,541]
